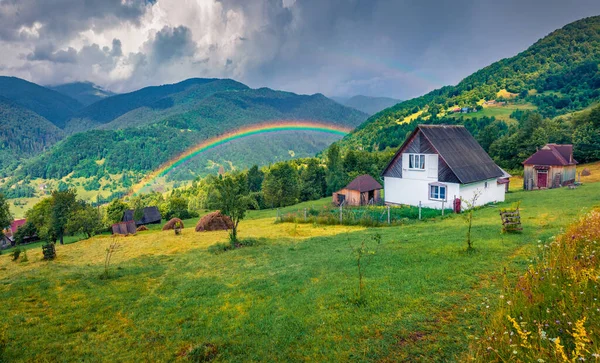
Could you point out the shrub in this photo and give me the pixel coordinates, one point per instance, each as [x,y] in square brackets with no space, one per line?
[24,258]
[49,251]
[16,253]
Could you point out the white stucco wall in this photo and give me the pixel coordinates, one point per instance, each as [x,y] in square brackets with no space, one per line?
[493,193]
[413,191]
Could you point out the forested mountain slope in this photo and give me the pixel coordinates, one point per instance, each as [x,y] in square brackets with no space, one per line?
[23,133]
[52,105]
[85,93]
[557,75]
[139,131]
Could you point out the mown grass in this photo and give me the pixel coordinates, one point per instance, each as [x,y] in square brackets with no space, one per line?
[290,298]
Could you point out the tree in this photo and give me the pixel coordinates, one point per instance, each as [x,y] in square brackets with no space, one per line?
[63,204]
[85,219]
[335,173]
[232,200]
[468,215]
[255,179]
[177,207]
[312,181]
[39,216]
[280,187]
[115,211]
[6,217]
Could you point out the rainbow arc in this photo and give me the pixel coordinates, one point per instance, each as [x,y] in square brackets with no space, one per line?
[271,127]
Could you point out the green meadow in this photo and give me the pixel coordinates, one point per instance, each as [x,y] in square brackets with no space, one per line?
[291,297]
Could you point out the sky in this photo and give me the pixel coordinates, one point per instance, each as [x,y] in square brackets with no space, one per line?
[400,49]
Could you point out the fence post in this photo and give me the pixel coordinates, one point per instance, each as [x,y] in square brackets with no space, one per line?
[341,218]
[388,210]
[419,210]
[442,208]
[304,214]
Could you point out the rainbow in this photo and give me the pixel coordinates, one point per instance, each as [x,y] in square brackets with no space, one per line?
[271,127]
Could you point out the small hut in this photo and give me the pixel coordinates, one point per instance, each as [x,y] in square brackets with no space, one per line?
[214,221]
[363,190]
[172,224]
[552,166]
[151,216]
[124,228]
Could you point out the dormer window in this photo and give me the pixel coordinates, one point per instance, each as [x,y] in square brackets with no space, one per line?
[416,161]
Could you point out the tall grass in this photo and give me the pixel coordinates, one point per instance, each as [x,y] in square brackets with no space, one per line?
[367,216]
[552,312]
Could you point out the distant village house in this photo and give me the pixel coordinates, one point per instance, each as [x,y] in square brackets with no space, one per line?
[439,164]
[552,166]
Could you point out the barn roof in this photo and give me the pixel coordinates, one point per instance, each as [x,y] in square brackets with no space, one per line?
[461,152]
[552,155]
[151,215]
[364,183]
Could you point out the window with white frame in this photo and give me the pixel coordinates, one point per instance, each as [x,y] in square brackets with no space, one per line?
[416,161]
[437,192]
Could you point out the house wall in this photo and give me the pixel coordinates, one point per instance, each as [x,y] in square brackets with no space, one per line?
[413,191]
[494,192]
[567,175]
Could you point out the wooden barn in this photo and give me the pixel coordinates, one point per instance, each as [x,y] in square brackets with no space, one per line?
[151,216]
[552,166]
[364,190]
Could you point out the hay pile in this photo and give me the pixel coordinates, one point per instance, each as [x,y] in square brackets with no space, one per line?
[214,221]
[171,224]
[142,228]
[586,172]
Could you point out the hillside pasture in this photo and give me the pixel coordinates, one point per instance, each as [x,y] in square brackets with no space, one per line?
[289,298]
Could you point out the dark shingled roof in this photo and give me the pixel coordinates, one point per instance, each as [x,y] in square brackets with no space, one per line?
[552,154]
[364,183]
[461,152]
[151,216]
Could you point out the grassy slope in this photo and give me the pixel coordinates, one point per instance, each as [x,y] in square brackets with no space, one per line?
[288,299]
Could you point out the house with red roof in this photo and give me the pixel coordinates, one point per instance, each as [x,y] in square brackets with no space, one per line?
[552,166]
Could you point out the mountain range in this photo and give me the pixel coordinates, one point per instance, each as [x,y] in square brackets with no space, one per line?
[48,133]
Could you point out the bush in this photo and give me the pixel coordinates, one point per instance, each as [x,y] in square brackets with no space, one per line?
[16,253]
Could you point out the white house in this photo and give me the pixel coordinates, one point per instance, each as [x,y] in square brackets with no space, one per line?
[439,164]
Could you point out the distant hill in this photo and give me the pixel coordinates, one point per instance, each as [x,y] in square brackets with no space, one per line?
[23,133]
[136,132]
[85,93]
[366,104]
[52,105]
[557,75]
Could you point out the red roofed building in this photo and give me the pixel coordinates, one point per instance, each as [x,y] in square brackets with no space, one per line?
[363,190]
[552,166]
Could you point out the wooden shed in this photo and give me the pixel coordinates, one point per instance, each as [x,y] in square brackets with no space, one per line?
[363,190]
[552,166]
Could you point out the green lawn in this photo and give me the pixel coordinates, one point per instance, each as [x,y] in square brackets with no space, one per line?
[289,299]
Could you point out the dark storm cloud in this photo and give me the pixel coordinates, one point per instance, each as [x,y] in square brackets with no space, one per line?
[59,19]
[172,43]
[397,48]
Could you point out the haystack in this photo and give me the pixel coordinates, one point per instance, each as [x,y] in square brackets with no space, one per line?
[586,172]
[171,224]
[214,221]
[142,228]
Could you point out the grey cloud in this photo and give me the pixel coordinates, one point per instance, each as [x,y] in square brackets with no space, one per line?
[61,19]
[172,43]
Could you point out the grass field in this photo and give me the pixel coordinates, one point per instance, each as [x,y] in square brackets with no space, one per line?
[289,298]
